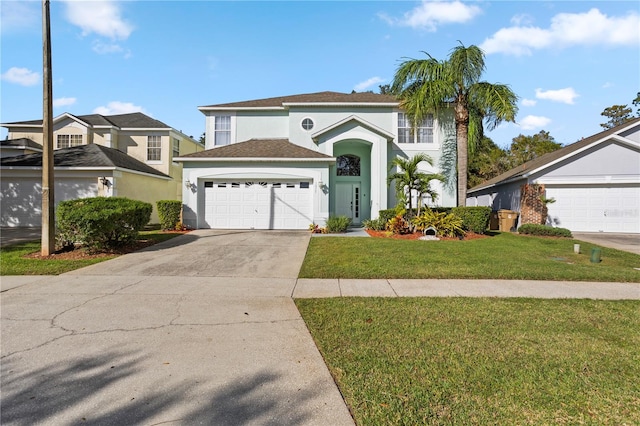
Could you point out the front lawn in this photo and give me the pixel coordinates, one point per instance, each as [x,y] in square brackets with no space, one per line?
[503,256]
[14,259]
[408,361]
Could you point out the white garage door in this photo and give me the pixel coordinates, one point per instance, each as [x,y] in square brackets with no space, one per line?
[258,204]
[21,197]
[596,209]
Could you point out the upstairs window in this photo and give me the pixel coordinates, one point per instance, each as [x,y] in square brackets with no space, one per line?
[222,130]
[67,141]
[423,132]
[348,165]
[154,148]
[176,147]
[307,124]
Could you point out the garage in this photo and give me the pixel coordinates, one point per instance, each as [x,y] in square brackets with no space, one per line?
[595,209]
[258,204]
[21,197]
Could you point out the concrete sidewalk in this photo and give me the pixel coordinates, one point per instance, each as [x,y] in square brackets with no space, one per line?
[314,288]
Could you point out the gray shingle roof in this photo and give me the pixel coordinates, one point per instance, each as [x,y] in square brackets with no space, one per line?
[550,157]
[320,97]
[260,148]
[91,155]
[20,143]
[135,120]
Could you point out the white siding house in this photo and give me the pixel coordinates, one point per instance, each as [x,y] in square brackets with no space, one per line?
[595,183]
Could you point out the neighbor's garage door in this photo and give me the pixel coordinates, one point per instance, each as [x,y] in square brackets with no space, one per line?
[258,205]
[595,209]
[21,197]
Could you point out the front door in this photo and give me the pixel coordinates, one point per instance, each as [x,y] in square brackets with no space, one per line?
[348,201]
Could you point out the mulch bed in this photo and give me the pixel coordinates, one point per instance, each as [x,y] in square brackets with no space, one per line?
[384,234]
[82,254]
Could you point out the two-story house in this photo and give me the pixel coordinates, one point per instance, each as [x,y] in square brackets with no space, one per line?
[288,162]
[128,155]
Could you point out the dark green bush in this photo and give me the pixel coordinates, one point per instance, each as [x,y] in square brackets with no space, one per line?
[544,230]
[337,224]
[169,213]
[474,219]
[100,223]
[387,214]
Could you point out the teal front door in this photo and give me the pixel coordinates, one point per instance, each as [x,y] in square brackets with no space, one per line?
[348,201]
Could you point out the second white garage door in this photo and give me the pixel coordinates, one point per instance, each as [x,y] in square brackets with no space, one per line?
[258,204]
[596,209]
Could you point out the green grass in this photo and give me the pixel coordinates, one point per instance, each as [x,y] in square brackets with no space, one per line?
[503,256]
[13,262]
[460,361]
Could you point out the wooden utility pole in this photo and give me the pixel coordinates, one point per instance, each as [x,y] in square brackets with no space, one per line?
[48,201]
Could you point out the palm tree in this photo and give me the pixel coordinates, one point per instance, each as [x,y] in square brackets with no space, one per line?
[409,179]
[428,86]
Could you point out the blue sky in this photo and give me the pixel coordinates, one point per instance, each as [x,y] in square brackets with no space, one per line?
[566,60]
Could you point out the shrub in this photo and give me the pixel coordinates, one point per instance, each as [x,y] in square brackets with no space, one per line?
[169,213]
[378,224]
[446,224]
[474,219]
[100,223]
[387,214]
[336,224]
[398,225]
[544,230]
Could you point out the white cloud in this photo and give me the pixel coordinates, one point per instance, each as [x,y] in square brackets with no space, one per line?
[60,102]
[431,14]
[362,86]
[21,76]
[607,85]
[531,122]
[117,107]
[566,29]
[19,15]
[106,48]
[528,102]
[522,19]
[99,17]
[565,96]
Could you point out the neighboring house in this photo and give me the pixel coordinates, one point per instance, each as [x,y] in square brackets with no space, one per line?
[80,172]
[140,138]
[13,147]
[595,183]
[288,162]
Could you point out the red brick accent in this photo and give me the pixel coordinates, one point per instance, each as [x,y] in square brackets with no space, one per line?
[532,208]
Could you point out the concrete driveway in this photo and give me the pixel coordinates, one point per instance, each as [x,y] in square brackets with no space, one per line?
[197,330]
[625,242]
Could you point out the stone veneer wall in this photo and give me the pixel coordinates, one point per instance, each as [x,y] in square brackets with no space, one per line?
[532,208]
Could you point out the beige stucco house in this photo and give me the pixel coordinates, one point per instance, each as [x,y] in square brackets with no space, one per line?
[137,162]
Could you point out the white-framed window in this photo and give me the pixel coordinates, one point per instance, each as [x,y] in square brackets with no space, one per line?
[175,145]
[67,141]
[222,130]
[423,132]
[307,124]
[154,148]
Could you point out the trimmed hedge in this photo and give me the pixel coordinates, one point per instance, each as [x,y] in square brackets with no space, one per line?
[101,223]
[474,219]
[169,213]
[544,230]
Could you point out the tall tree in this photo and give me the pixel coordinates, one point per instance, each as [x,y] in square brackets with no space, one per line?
[409,179]
[486,162]
[428,86]
[526,148]
[617,115]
